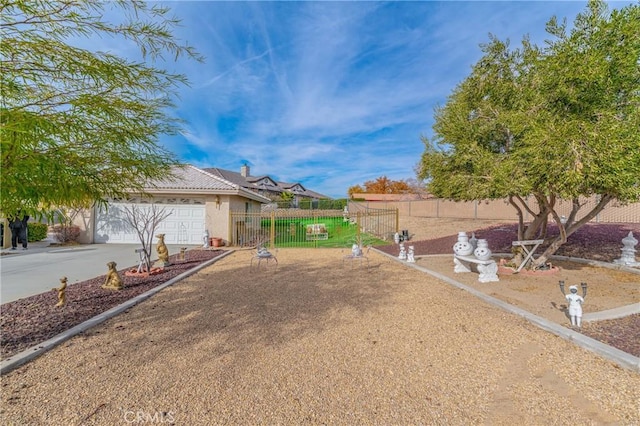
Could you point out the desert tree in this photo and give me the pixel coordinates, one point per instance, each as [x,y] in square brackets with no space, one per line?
[551,123]
[80,125]
[381,185]
[145,221]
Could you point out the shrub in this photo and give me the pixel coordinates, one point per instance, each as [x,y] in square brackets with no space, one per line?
[66,233]
[36,231]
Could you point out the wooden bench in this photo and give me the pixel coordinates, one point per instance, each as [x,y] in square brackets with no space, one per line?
[487,269]
[529,247]
[317,231]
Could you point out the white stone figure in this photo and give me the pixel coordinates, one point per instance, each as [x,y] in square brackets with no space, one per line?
[482,251]
[628,257]
[463,247]
[575,306]
[356,251]
[473,240]
[263,252]
[205,237]
[403,252]
[410,256]
[488,272]
[396,238]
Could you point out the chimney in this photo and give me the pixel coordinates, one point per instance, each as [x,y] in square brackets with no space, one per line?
[244,170]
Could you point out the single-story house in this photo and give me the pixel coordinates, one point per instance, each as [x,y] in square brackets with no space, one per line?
[199,202]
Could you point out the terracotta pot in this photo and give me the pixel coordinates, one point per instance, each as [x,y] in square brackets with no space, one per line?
[216,242]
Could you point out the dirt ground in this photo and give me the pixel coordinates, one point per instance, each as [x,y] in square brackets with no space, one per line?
[317,339]
[540,294]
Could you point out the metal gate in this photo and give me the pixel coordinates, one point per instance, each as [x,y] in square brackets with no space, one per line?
[313,228]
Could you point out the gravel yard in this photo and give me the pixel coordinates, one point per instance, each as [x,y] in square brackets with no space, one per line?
[319,341]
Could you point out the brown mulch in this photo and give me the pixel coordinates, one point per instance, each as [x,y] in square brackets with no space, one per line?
[32,320]
[593,241]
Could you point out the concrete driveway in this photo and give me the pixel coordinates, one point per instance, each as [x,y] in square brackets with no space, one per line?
[24,273]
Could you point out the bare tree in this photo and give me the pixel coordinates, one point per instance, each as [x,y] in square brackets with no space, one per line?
[145,222]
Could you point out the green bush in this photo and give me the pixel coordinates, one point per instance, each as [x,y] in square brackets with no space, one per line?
[36,231]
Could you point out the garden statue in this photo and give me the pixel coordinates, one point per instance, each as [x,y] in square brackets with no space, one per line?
[396,238]
[463,247]
[163,251]
[403,252]
[628,251]
[62,292]
[356,250]
[183,250]
[482,250]
[113,280]
[263,252]
[205,237]
[410,256]
[575,302]
[473,240]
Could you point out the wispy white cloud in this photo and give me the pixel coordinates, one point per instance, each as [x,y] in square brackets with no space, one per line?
[332,94]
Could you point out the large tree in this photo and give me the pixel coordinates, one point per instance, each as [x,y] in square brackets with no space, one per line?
[558,122]
[78,125]
[381,185]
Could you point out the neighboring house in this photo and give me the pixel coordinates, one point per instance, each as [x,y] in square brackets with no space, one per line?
[267,186]
[199,201]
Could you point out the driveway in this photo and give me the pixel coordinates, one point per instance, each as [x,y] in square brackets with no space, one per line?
[24,273]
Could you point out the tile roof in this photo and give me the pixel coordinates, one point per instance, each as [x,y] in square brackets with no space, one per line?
[193,178]
[249,182]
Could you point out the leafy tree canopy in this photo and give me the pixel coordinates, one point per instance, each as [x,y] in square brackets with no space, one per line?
[78,125]
[554,122]
[381,185]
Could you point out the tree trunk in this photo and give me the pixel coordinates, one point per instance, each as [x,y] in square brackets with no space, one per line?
[558,241]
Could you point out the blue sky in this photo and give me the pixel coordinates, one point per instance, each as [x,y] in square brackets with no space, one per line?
[332,94]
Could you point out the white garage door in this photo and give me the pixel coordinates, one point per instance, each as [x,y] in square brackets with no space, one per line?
[185,224]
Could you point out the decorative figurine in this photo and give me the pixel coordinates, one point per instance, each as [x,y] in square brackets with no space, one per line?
[575,302]
[463,247]
[62,292]
[205,237]
[410,256]
[356,250]
[403,252]
[482,251]
[473,240]
[628,257]
[263,252]
[396,238]
[163,251]
[113,280]
[183,250]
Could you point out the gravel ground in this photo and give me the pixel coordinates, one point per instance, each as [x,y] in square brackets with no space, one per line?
[29,321]
[317,340]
